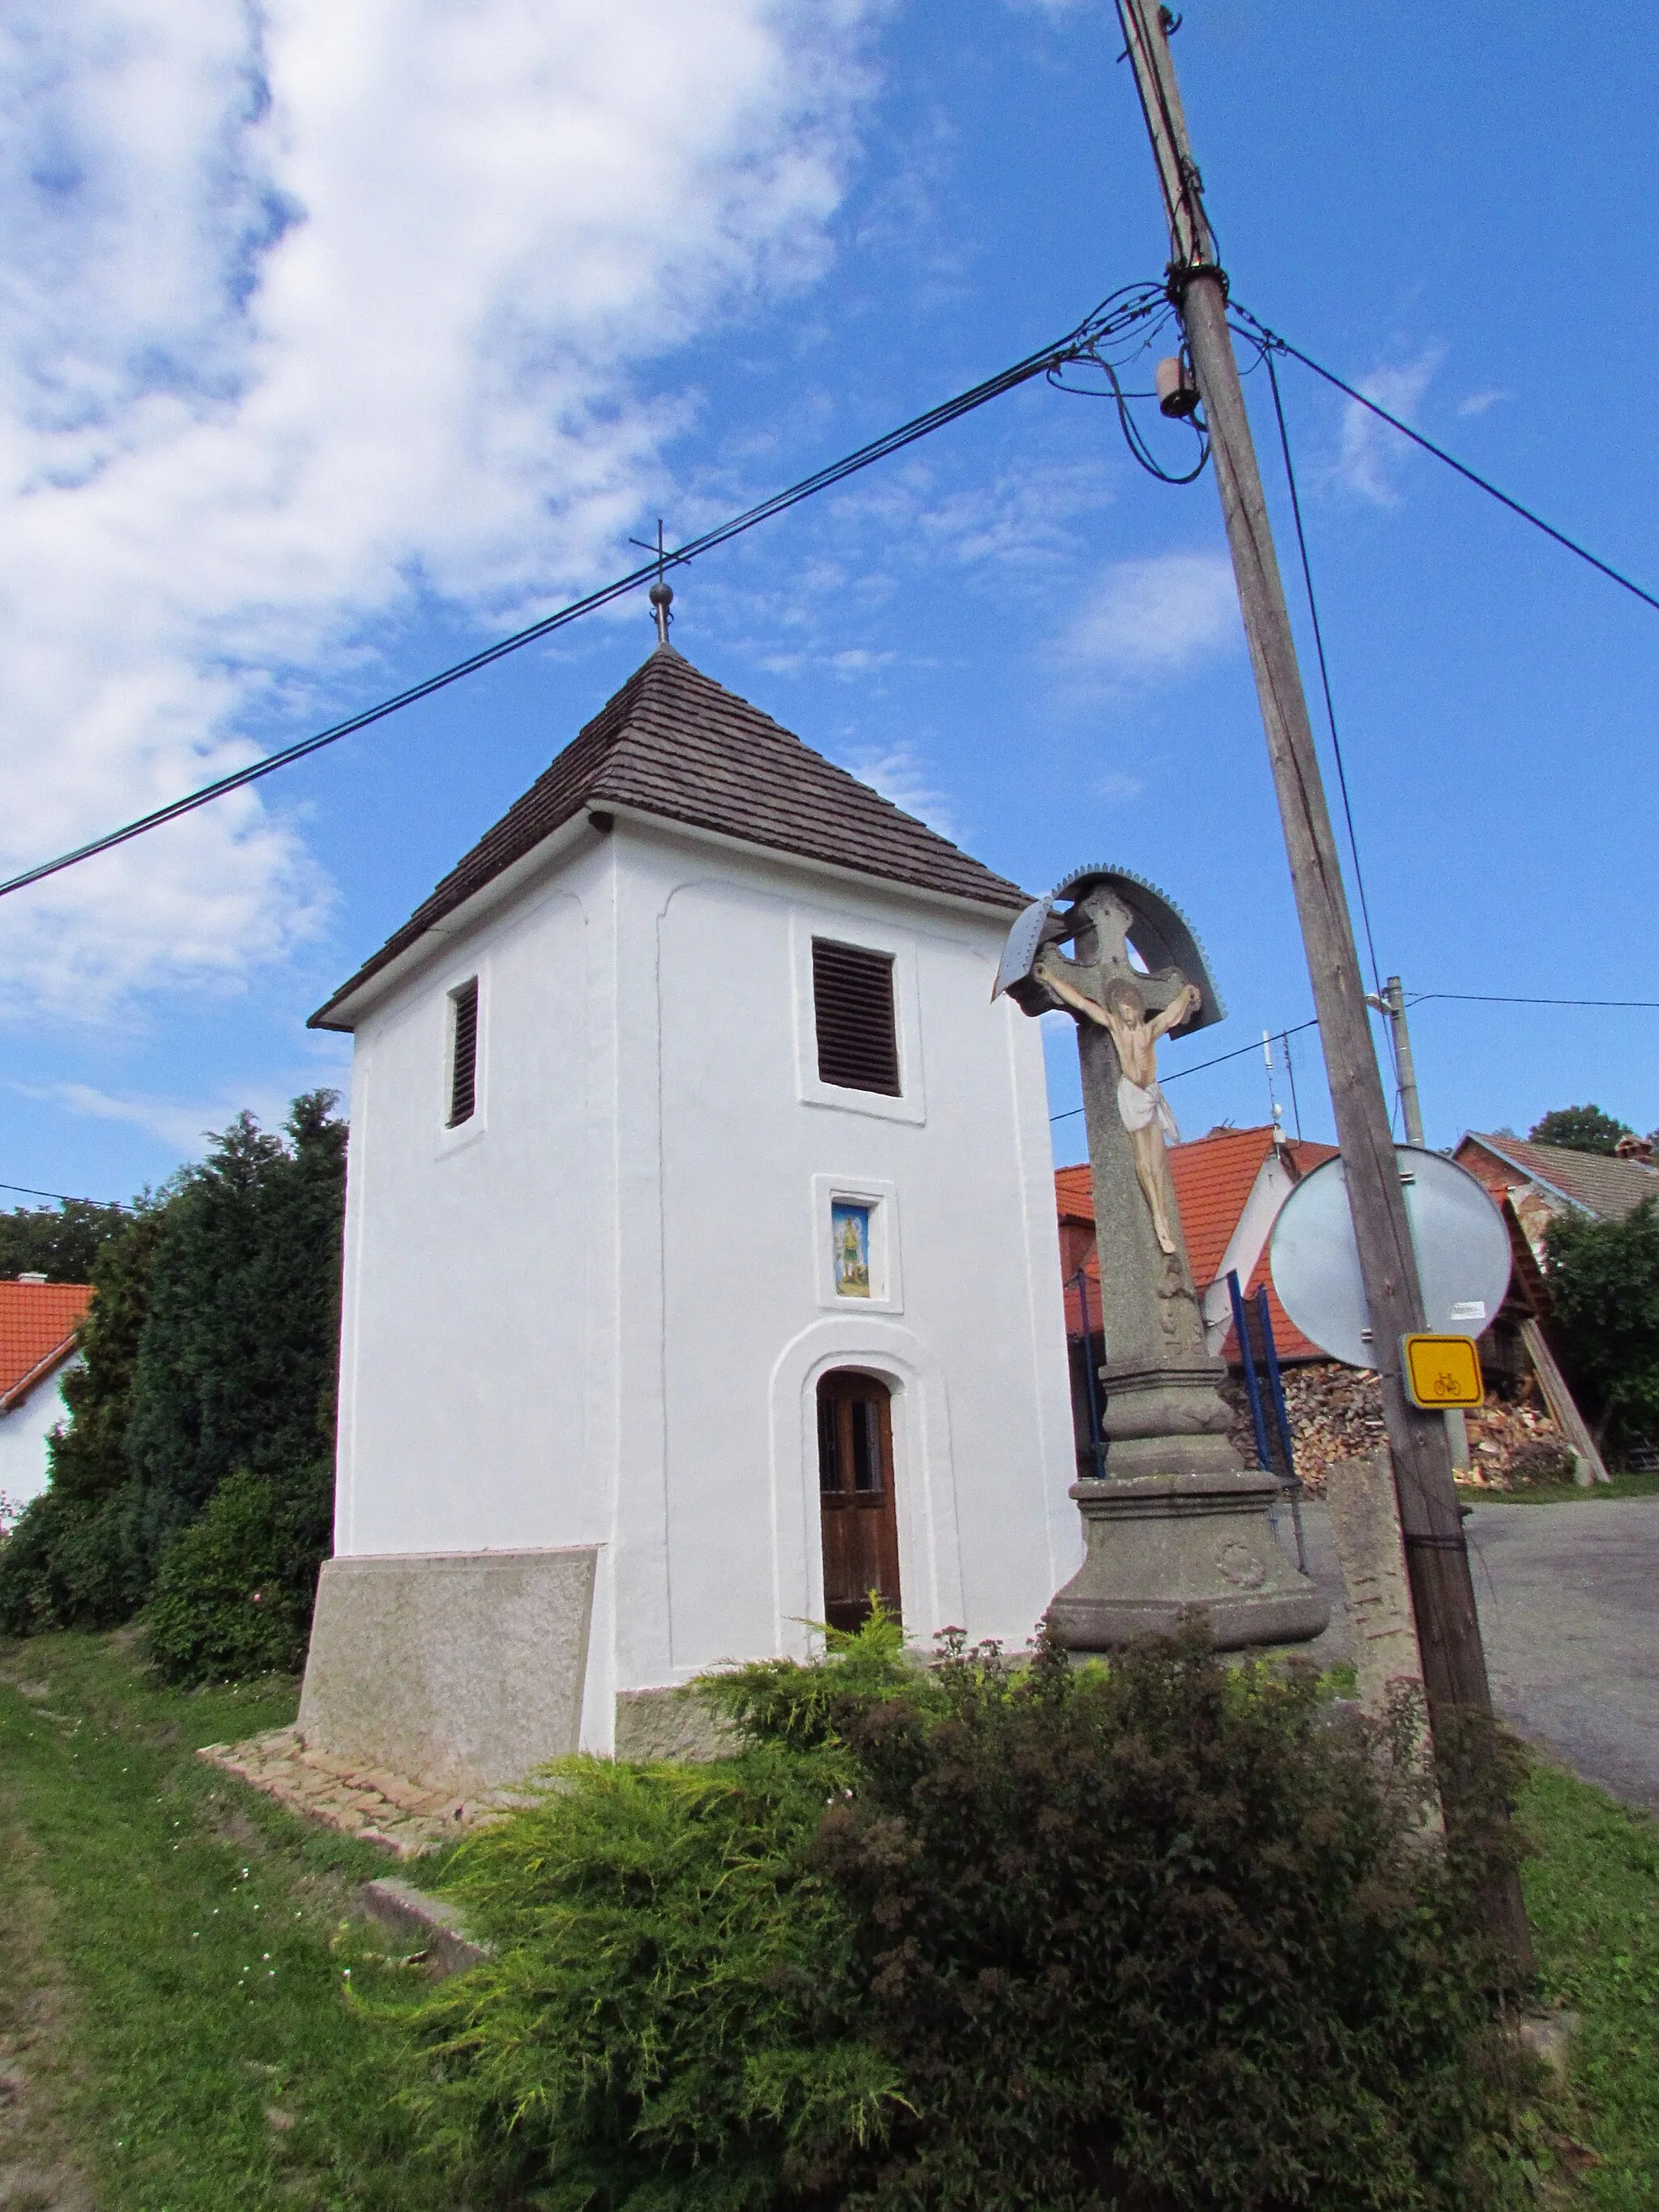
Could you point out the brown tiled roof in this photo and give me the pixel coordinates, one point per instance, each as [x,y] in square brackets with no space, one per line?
[1607,1187]
[37,1334]
[675,744]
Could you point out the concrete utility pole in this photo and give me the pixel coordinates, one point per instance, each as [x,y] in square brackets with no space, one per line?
[1393,1004]
[1442,1592]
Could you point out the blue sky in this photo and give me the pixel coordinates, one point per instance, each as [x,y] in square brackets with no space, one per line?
[336,348]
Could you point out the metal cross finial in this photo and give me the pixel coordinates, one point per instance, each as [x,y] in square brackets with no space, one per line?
[662,593]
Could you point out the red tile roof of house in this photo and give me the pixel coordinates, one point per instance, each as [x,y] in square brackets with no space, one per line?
[1292,1348]
[1213,1177]
[37,1334]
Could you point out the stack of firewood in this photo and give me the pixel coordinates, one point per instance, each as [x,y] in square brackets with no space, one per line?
[1336,1413]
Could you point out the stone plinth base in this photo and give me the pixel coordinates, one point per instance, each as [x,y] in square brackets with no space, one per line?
[1161,1547]
[461,1670]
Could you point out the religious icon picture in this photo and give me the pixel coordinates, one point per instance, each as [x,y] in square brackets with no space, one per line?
[849,1233]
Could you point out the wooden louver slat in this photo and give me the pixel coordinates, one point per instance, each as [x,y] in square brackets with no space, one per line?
[464,1058]
[853,1006]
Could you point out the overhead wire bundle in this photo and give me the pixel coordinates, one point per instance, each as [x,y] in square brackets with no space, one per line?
[1121,329]
[1135,311]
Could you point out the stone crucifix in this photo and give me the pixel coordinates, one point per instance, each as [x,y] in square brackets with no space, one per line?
[1178,1524]
[1122,1004]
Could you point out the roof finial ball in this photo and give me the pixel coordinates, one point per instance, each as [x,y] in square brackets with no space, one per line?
[662,598]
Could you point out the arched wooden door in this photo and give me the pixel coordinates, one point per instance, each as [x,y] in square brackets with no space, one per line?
[855,1491]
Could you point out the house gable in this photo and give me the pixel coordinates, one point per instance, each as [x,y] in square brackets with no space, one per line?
[1230,1186]
[38,1321]
[1587,1183]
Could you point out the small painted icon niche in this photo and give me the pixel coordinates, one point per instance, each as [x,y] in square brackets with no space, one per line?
[849,1231]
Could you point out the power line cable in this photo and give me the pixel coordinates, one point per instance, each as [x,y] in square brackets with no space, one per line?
[1198,1067]
[1418,998]
[1118,314]
[1493,999]
[1324,671]
[29,1191]
[1258,334]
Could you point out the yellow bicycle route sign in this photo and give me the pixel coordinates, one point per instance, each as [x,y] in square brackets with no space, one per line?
[1442,1371]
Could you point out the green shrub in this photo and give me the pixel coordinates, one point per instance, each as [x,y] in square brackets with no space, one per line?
[235,1589]
[1604,1295]
[88,1457]
[1581,1129]
[235,1365]
[1169,1937]
[666,2024]
[71,1559]
[209,1348]
[62,1242]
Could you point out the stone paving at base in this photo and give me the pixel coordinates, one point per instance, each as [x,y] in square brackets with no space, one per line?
[404,1817]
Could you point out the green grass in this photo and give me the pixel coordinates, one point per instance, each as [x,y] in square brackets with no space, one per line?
[1593,1894]
[201,1934]
[1563,1493]
[171,2038]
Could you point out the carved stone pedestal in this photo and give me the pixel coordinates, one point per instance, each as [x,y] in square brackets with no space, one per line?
[1177,1523]
[1159,1544]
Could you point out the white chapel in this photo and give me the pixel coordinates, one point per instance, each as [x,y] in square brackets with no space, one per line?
[700,1269]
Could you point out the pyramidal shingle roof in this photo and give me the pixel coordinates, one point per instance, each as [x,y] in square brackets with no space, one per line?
[675,744]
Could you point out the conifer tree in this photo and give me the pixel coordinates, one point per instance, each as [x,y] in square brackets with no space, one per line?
[88,1456]
[236,1366]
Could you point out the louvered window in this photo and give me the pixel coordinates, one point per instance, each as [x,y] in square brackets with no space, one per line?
[853,1005]
[463,1052]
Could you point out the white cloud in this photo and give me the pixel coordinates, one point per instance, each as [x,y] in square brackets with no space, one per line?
[1115,785]
[1146,617]
[900,776]
[308,309]
[1022,519]
[1478,401]
[1369,449]
[186,1128]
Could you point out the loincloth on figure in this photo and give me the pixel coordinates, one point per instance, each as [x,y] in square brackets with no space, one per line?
[1140,1103]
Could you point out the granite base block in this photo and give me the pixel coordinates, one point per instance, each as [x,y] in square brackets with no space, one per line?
[461,1670]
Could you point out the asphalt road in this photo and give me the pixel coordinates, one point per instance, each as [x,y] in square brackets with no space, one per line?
[1569,1598]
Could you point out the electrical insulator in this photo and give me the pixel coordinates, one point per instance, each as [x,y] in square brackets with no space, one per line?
[1177,394]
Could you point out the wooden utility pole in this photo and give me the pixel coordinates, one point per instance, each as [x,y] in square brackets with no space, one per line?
[1443,1591]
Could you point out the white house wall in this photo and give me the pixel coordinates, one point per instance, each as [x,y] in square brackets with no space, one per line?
[1272,1185]
[25,1462]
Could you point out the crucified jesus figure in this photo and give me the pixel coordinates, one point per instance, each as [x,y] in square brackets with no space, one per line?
[1140,1100]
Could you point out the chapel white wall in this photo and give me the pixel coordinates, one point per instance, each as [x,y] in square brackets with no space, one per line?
[596,1314]
[974,1351]
[466,1337]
